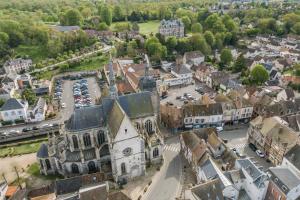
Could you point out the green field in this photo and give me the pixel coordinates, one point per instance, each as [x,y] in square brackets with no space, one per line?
[145,28]
[149,27]
[20,149]
[36,53]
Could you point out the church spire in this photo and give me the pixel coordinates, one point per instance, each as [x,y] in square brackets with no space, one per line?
[147,66]
[112,85]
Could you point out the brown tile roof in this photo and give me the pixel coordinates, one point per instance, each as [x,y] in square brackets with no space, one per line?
[11,190]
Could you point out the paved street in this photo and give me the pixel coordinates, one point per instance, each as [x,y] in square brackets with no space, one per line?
[238,139]
[166,183]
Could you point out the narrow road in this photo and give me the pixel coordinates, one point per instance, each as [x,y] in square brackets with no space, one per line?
[166,183]
[104,49]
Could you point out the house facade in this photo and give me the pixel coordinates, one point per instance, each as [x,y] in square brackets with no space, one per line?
[13,110]
[17,65]
[201,115]
[171,28]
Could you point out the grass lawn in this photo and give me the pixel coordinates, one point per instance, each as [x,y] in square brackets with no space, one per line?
[95,63]
[34,170]
[36,53]
[20,149]
[145,28]
[149,27]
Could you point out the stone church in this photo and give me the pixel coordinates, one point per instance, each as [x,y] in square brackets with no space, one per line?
[118,137]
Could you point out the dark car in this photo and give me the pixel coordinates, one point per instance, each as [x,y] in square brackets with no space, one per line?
[35,128]
[252,147]
[26,129]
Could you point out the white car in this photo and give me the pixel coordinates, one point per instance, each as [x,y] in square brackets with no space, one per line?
[63,105]
[260,153]
[219,128]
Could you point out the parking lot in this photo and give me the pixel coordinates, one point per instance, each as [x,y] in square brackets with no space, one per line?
[90,90]
[175,93]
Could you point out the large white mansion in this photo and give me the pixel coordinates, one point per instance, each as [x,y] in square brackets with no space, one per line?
[117,137]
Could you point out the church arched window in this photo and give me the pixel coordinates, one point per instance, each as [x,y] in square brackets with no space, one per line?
[75,142]
[155,152]
[123,168]
[48,165]
[148,126]
[87,140]
[74,168]
[100,137]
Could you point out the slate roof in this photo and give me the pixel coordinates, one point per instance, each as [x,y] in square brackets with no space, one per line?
[293,156]
[86,118]
[286,176]
[137,105]
[181,69]
[115,118]
[70,185]
[209,190]
[12,104]
[289,93]
[251,169]
[43,151]
[209,170]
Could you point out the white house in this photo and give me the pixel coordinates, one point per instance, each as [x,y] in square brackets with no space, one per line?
[193,58]
[255,181]
[209,171]
[180,74]
[17,65]
[37,112]
[14,109]
[202,116]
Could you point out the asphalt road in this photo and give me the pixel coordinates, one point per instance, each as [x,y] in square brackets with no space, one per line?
[238,139]
[166,184]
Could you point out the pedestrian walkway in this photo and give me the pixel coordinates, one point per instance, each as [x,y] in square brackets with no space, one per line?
[172,147]
[237,146]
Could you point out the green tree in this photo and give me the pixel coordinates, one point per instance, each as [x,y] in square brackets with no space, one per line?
[240,64]
[198,42]
[29,96]
[259,75]
[102,26]
[183,45]
[117,14]
[226,56]
[197,28]
[131,48]
[1,102]
[106,15]
[210,38]
[187,23]
[71,18]
[135,26]
[122,26]
[296,28]
[171,43]
[155,49]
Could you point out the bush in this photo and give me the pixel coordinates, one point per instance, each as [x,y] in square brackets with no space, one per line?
[19,121]
[5,123]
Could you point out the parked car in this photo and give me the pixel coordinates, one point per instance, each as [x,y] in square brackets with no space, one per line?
[252,146]
[26,129]
[219,128]
[260,153]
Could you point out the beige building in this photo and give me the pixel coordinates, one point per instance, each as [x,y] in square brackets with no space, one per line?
[272,136]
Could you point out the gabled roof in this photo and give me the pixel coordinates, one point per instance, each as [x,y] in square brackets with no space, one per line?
[286,176]
[211,190]
[115,118]
[137,105]
[202,110]
[12,104]
[181,69]
[86,118]
[293,156]
[43,151]
[70,185]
